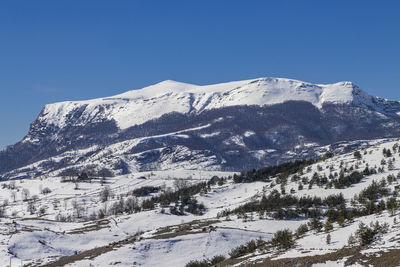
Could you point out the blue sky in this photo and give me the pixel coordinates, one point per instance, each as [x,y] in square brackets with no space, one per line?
[71,50]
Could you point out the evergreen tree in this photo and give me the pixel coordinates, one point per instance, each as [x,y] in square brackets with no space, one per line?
[328,226]
[328,239]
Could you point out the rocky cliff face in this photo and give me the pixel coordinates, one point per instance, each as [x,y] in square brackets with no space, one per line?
[231,126]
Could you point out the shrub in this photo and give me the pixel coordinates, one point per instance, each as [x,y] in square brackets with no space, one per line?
[217,259]
[301,230]
[357,155]
[46,191]
[198,263]
[283,239]
[238,251]
[316,224]
[242,250]
[145,191]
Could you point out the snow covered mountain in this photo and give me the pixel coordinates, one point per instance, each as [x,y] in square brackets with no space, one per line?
[138,106]
[229,126]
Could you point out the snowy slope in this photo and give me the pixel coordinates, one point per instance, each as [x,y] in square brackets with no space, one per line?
[34,238]
[138,106]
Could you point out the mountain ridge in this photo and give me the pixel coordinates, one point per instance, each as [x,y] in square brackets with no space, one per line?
[138,106]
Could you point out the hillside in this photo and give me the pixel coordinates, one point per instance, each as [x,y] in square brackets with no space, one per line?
[169,218]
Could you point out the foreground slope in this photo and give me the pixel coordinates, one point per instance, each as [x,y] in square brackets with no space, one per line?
[157,219]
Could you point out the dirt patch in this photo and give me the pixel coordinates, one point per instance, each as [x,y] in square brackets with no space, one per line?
[91,226]
[390,258]
[194,227]
[351,256]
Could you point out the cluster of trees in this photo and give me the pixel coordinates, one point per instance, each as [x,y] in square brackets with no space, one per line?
[365,235]
[337,181]
[288,206]
[373,199]
[387,153]
[283,171]
[86,175]
[283,239]
[345,181]
[265,174]
[182,198]
[247,248]
[179,201]
[145,191]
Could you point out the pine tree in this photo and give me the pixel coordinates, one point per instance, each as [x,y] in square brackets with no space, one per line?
[340,220]
[352,240]
[392,205]
[328,239]
[316,224]
[390,165]
[328,226]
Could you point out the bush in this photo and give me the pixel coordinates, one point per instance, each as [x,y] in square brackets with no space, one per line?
[238,251]
[357,155]
[301,230]
[217,259]
[283,239]
[206,263]
[316,224]
[242,250]
[198,263]
[328,226]
[46,191]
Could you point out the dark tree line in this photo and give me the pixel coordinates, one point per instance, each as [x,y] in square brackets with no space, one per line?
[267,173]
[289,206]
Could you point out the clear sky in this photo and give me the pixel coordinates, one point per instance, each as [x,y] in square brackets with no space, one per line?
[61,50]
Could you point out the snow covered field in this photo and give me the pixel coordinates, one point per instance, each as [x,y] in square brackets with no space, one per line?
[45,219]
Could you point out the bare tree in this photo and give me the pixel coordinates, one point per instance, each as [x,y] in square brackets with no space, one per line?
[42,210]
[180,184]
[131,205]
[2,211]
[11,185]
[77,208]
[105,194]
[25,194]
[31,207]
